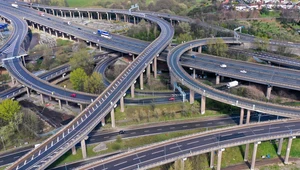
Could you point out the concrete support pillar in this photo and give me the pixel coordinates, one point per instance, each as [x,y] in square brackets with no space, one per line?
[254,155]
[288,150]
[219,159]
[112,117]
[67,103]
[103,122]
[155,67]
[217,79]
[279,146]
[134,21]
[192,96]
[98,14]
[28,93]
[203,101]
[110,17]
[122,104]
[148,72]
[63,35]
[132,91]
[241,116]
[59,103]
[13,80]
[79,16]
[42,98]
[81,107]
[83,148]
[73,150]
[117,19]
[212,156]
[200,49]
[182,163]
[44,29]
[133,57]
[89,15]
[269,90]
[70,37]
[248,116]
[141,81]
[246,152]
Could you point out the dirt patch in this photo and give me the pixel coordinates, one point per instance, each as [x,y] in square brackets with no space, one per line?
[54,118]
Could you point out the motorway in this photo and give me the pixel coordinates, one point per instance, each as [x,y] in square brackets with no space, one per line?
[58,144]
[168,151]
[49,151]
[258,73]
[100,136]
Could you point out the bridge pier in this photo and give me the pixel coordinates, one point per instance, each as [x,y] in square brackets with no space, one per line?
[200,49]
[122,104]
[42,98]
[279,146]
[28,93]
[219,159]
[155,66]
[132,90]
[73,150]
[103,122]
[203,101]
[134,21]
[254,155]
[112,117]
[288,149]
[141,81]
[241,116]
[13,81]
[269,90]
[212,156]
[23,59]
[59,103]
[217,79]
[192,96]
[81,107]
[247,145]
[83,148]
[148,73]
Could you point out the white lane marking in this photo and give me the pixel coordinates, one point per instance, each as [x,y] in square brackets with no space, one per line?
[92,139]
[133,133]
[290,126]
[243,132]
[172,127]
[120,163]
[146,131]
[209,123]
[192,142]
[197,125]
[139,157]
[184,126]
[106,137]
[226,135]
[209,138]
[258,130]
[157,152]
[178,146]
[159,129]
[16,157]
[274,127]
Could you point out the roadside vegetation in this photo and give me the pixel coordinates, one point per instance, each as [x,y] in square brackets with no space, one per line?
[18,126]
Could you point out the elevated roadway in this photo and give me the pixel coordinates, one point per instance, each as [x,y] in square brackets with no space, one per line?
[169,151]
[79,128]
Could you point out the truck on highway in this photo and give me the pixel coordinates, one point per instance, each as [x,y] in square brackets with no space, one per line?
[15,5]
[232,84]
[104,34]
[67,22]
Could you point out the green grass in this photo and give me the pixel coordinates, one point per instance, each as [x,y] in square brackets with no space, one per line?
[3,167]
[67,83]
[81,3]
[61,42]
[271,14]
[277,167]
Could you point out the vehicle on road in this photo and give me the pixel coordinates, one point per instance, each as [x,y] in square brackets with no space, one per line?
[41,14]
[243,71]
[121,132]
[223,65]
[73,95]
[193,56]
[94,33]
[15,5]
[232,84]
[171,98]
[67,22]
[104,34]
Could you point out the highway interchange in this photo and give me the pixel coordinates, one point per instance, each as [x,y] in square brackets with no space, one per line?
[70,134]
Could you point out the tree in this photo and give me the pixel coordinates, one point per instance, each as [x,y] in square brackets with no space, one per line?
[8,109]
[262,43]
[217,47]
[184,37]
[83,60]
[77,78]
[47,61]
[94,84]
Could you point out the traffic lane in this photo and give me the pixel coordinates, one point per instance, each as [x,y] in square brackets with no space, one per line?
[217,95]
[192,145]
[7,159]
[247,66]
[100,137]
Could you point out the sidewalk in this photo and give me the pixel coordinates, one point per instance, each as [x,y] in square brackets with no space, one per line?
[259,163]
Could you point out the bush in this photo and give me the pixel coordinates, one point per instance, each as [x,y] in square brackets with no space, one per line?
[116,146]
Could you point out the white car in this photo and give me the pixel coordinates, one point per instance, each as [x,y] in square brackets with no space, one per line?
[94,33]
[223,65]
[243,71]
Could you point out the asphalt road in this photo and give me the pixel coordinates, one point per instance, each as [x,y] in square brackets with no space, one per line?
[182,76]
[100,136]
[166,152]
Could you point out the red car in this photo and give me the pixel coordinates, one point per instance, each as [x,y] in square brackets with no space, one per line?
[171,98]
[73,95]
